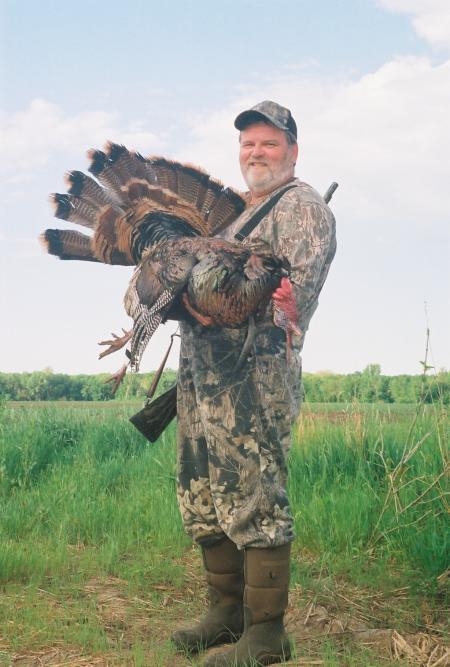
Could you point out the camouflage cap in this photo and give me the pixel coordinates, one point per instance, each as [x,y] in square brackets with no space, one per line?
[271,111]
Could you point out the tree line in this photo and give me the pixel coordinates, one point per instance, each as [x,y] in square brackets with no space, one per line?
[48,386]
[370,386]
[367,386]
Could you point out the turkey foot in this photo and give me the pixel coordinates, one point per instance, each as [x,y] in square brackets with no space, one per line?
[116,343]
[205,320]
[117,378]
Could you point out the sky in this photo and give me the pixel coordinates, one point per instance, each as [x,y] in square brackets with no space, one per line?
[368,82]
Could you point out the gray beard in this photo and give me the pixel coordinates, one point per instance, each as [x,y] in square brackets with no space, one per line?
[269,181]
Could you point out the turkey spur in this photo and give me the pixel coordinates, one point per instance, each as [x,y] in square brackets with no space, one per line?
[162,216]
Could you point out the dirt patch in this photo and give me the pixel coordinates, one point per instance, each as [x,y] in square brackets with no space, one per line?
[59,657]
[349,618]
[311,624]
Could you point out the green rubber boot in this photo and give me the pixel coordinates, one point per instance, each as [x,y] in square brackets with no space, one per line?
[264,641]
[224,621]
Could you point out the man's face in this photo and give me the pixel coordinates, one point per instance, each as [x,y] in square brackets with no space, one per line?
[267,159]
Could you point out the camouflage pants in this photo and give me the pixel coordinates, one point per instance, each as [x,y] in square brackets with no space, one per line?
[234,436]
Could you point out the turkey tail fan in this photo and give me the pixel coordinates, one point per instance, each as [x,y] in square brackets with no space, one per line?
[68,244]
[136,183]
[132,202]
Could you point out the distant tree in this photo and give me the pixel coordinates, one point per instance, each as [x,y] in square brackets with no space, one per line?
[352,386]
[371,383]
[95,388]
[404,388]
[385,390]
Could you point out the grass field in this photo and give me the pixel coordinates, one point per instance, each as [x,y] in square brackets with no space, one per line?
[95,568]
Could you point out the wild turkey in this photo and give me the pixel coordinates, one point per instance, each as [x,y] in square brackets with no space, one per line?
[160,215]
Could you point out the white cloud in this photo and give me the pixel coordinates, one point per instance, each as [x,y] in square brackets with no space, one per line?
[30,137]
[431,18]
[384,137]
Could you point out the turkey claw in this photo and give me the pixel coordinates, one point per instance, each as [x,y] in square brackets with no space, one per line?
[117,378]
[116,343]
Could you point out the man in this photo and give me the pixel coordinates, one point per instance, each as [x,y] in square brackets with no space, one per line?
[234,426]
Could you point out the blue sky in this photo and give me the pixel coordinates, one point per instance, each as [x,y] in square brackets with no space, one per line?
[368,82]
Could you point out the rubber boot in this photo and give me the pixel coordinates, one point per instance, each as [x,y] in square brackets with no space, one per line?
[264,641]
[224,621]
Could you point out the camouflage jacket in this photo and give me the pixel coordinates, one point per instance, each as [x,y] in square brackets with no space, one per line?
[301,228]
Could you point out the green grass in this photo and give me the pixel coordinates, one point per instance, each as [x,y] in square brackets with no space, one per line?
[96,483]
[363,485]
[85,498]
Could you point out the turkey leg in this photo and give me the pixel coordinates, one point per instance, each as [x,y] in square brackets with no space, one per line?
[117,378]
[205,320]
[116,343]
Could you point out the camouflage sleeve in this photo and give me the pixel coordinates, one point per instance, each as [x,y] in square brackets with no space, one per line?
[304,233]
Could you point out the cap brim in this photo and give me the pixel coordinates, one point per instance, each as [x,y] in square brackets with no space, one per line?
[250,116]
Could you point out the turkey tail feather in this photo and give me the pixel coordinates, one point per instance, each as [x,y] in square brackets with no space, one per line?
[187,181]
[68,244]
[102,169]
[74,209]
[205,193]
[84,186]
[224,209]
[127,164]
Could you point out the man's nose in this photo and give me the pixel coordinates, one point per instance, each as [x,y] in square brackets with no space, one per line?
[257,150]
